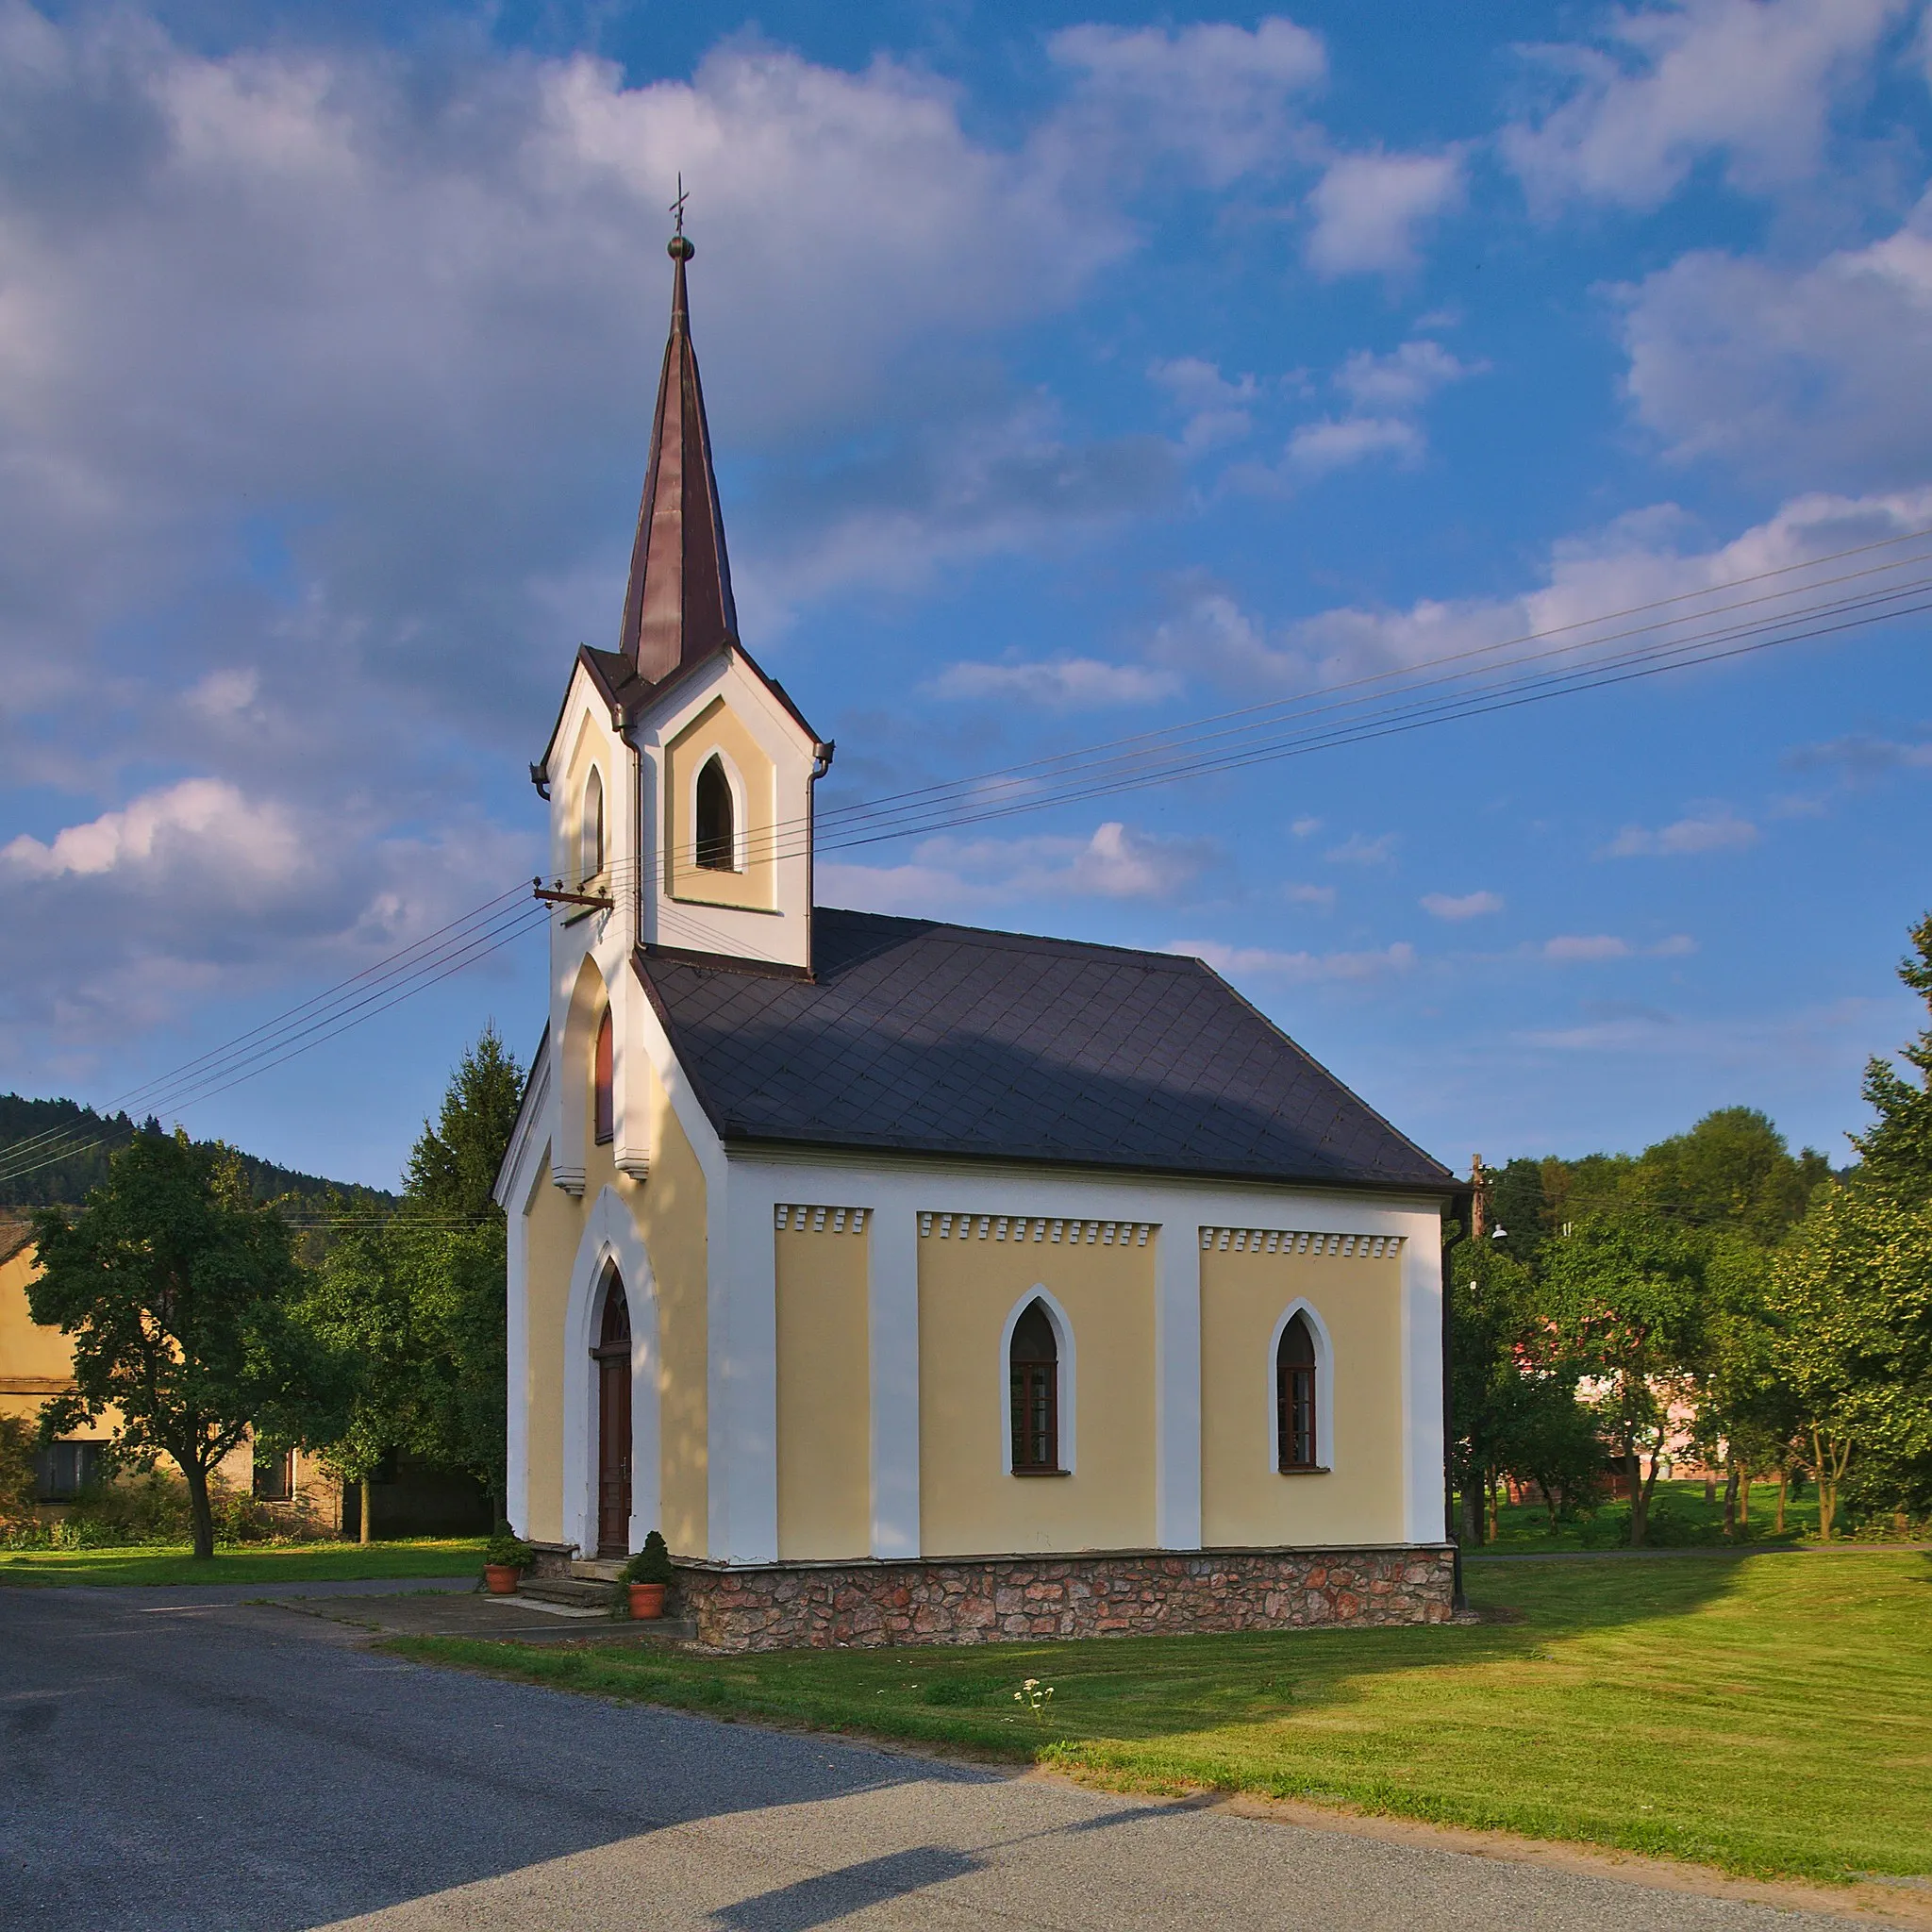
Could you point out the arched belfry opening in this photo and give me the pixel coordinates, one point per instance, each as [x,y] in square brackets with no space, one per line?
[611,1355]
[717,816]
[591,830]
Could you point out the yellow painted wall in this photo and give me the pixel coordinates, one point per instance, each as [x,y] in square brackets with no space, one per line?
[968,1506]
[668,1210]
[716,728]
[1244,1499]
[35,1363]
[824,1423]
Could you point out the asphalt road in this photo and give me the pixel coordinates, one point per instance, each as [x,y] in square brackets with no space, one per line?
[174,1761]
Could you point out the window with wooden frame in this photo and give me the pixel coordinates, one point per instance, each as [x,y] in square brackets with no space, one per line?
[1033,1369]
[1296,1447]
[606,1101]
[717,828]
[274,1478]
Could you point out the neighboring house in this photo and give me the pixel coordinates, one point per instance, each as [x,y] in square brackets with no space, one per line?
[925,1283]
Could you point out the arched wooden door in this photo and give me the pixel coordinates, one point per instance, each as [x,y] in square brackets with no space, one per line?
[612,1357]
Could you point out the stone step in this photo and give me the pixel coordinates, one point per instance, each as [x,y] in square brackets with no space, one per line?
[597,1569]
[579,1593]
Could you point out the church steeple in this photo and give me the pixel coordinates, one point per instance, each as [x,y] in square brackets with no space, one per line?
[678,606]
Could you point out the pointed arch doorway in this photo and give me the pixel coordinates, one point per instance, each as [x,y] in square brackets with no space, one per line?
[611,1355]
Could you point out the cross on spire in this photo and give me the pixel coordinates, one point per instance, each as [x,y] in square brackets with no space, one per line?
[677,205]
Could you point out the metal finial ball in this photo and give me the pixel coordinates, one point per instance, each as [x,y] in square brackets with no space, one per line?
[679,249]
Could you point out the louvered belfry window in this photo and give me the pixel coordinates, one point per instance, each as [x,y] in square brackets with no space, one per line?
[1294,1396]
[1034,1364]
[601,1080]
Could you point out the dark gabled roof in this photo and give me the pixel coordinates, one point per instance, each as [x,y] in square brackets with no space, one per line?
[915,1037]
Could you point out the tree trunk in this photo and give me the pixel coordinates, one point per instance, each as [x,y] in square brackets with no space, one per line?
[1491,1483]
[1471,1508]
[1639,1501]
[362,1533]
[1827,1487]
[200,1510]
[1784,1490]
[1731,1498]
[1710,1487]
[1744,1499]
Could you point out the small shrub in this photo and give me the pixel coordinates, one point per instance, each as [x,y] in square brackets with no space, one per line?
[652,1564]
[507,1550]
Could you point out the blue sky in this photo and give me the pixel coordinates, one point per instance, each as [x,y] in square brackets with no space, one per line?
[1073,371]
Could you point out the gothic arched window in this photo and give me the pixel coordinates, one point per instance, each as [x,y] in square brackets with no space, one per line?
[590,829]
[1033,1362]
[601,1083]
[717,839]
[1295,1397]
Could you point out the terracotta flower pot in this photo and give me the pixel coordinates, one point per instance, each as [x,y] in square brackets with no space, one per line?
[647,1600]
[500,1579]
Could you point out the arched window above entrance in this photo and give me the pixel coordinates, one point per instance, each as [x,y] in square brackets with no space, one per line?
[614,1331]
[603,1082]
[717,829]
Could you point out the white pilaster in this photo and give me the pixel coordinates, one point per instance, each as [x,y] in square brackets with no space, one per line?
[1178,1387]
[1422,1379]
[892,1350]
[744,1484]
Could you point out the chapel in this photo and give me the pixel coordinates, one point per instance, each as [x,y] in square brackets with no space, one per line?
[924,1283]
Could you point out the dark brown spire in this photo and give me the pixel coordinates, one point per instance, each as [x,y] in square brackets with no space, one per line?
[678,606]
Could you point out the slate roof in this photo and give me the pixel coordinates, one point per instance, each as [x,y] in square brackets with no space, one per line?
[917,1036]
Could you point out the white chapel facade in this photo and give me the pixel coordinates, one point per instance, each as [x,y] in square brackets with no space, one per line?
[923,1283]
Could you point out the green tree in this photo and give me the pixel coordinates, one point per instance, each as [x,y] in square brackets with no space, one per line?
[1627,1293]
[179,1290]
[1896,1150]
[1852,1296]
[1731,1170]
[454,1164]
[16,1469]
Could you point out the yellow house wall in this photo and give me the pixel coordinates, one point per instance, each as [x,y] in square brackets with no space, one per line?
[669,1210]
[35,1362]
[968,1505]
[717,728]
[1244,1499]
[824,1426]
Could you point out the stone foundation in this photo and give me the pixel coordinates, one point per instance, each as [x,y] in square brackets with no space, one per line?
[1020,1599]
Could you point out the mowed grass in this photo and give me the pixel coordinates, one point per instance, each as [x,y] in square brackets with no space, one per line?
[281,1563]
[1682,1515]
[1770,1715]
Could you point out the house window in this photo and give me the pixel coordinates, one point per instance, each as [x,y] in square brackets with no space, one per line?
[717,832]
[1295,1397]
[590,829]
[607,1099]
[275,1474]
[63,1470]
[1033,1360]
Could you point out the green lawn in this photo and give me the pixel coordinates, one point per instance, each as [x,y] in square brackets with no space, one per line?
[267,1563]
[1772,1715]
[1680,1516]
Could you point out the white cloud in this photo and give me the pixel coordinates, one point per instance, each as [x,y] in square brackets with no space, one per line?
[1305,827]
[1571,949]
[1065,683]
[1753,81]
[1215,94]
[1716,830]
[1860,757]
[1317,448]
[1302,894]
[1818,372]
[1218,412]
[1404,379]
[1297,968]
[1368,207]
[950,877]
[1466,905]
[1359,849]
[200,823]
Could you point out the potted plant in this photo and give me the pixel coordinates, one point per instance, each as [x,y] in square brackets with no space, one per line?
[647,1577]
[506,1556]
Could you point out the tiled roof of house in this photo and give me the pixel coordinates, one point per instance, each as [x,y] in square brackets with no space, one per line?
[917,1037]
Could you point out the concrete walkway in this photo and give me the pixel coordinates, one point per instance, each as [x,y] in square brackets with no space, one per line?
[207,1764]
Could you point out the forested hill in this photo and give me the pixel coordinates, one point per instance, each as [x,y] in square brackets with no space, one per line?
[69,1151]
